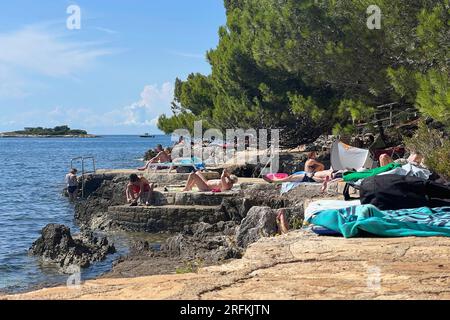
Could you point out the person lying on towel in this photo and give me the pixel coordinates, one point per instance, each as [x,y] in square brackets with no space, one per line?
[197,179]
[302,176]
[415,159]
[314,172]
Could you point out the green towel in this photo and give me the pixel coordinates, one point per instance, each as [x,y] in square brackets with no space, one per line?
[354,221]
[355,176]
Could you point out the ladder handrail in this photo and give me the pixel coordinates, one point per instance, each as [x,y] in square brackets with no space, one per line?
[83,171]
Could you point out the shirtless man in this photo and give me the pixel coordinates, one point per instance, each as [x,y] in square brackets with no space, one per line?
[225,182]
[72,184]
[312,165]
[161,157]
[139,190]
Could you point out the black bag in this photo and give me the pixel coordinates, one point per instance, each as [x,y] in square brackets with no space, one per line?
[392,192]
[185,169]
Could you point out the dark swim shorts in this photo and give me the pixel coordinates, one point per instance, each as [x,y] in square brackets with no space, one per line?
[72,189]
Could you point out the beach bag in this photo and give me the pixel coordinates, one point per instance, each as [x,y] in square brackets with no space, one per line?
[393,192]
[185,169]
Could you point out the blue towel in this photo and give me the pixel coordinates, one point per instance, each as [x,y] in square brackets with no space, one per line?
[353,221]
[288,186]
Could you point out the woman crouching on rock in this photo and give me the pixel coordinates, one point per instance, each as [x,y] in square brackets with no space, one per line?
[139,190]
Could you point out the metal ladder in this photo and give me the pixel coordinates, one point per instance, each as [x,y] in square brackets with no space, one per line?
[83,169]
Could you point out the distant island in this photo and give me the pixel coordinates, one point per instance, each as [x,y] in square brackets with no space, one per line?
[40,132]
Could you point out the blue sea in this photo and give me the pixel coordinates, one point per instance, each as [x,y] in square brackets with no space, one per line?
[32,174]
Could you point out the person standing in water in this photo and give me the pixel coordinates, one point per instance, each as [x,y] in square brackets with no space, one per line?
[72,184]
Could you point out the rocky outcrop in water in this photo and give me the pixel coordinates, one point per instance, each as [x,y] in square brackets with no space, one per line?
[56,245]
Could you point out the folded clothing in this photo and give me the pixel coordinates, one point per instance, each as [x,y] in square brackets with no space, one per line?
[358,220]
[410,169]
[325,204]
[351,176]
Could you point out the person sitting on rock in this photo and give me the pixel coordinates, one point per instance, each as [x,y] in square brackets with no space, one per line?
[139,190]
[312,165]
[163,155]
[225,182]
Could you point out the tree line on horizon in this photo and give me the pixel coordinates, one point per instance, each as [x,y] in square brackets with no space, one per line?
[311,67]
[56,131]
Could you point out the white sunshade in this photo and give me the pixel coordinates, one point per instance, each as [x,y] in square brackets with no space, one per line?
[345,157]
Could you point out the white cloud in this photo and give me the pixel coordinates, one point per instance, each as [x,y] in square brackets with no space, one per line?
[142,114]
[11,85]
[37,50]
[106,30]
[188,55]
[154,101]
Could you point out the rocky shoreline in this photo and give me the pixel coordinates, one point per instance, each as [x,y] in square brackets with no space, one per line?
[56,245]
[299,265]
[210,228]
[227,246]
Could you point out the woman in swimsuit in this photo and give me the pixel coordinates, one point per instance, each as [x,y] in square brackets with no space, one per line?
[225,182]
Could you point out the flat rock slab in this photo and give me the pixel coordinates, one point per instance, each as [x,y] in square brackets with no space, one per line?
[161,177]
[299,265]
[168,218]
[192,198]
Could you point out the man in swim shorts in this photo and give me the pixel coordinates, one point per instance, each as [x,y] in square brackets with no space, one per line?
[72,184]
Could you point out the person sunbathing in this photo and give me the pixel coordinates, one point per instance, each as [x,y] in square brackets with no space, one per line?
[323,177]
[161,157]
[197,179]
[139,190]
[282,223]
[314,172]
[312,165]
[319,176]
[415,159]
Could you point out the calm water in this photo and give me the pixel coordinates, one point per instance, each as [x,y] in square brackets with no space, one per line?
[31,180]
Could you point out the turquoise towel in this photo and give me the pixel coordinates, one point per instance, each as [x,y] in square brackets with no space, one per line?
[353,221]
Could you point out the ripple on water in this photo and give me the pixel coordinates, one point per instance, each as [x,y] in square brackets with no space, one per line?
[31,180]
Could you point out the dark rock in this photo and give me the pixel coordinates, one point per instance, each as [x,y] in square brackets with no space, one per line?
[295,216]
[260,222]
[150,154]
[56,245]
[91,213]
[204,241]
[140,248]
[234,209]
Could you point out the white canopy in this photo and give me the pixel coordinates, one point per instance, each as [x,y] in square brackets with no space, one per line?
[345,157]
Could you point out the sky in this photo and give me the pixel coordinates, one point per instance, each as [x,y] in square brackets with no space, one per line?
[113,73]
